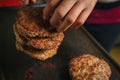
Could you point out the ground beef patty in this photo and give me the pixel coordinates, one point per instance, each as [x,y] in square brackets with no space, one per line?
[89,67]
[36,53]
[32,24]
[33,34]
[39,43]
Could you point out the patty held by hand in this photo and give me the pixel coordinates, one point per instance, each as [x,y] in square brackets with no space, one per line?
[32,24]
[89,67]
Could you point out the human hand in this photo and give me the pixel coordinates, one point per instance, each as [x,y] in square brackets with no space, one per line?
[27,1]
[64,14]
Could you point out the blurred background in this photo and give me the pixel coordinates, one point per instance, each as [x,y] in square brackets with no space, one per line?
[115,51]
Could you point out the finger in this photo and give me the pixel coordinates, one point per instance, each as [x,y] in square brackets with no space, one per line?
[71,16]
[61,11]
[24,1]
[34,1]
[83,16]
[50,6]
[80,20]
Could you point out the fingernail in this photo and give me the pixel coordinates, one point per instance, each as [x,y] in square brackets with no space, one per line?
[59,30]
[76,27]
[56,24]
[65,29]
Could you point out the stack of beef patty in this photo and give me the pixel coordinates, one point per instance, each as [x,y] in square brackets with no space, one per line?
[33,34]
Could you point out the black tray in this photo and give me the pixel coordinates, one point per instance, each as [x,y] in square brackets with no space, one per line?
[16,65]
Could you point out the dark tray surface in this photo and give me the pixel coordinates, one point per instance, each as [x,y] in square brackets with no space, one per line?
[19,66]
